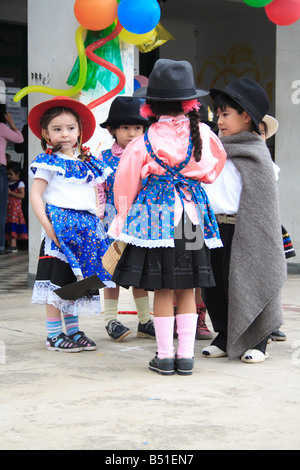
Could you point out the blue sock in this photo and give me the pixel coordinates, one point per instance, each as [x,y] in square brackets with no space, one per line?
[71,323]
[54,327]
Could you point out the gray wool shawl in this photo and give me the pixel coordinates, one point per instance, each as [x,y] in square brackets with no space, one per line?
[257,265]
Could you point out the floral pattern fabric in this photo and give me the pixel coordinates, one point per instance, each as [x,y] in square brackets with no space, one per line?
[150,220]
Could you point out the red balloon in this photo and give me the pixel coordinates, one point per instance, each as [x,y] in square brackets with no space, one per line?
[283,12]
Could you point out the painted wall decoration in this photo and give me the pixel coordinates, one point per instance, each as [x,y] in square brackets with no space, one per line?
[239,61]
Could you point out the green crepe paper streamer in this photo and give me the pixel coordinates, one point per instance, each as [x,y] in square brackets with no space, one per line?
[95,73]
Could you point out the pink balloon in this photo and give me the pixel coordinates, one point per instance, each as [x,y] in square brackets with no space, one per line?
[283,12]
[143,81]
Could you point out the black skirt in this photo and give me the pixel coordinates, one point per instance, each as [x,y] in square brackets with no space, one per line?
[185,266]
[54,270]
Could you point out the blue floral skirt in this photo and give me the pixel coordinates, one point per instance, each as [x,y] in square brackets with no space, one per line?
[83,241]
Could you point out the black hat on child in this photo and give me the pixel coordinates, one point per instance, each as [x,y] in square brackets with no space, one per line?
[249,95]
[124,110]
[171,80]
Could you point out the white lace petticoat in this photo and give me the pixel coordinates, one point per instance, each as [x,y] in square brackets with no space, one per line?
[43,293]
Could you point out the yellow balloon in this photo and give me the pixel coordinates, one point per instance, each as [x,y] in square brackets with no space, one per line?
[57,92]
[135,39]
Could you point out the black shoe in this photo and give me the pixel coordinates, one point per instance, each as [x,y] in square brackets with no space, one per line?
[184,365]
[84,342]
[116,330]
[277,335]
[63,343]
[162,366]
[146,330]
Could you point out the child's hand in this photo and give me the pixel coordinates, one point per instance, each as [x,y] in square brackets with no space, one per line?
[51,234]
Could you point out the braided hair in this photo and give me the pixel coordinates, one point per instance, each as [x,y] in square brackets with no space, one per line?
[174,108]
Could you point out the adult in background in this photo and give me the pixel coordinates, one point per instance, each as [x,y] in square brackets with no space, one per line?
[8,133]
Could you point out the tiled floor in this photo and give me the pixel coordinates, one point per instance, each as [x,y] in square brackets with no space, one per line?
[13,272]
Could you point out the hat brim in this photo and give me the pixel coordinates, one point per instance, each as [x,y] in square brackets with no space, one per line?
[272,125]
[130,121]
[87,118]
[84,288]
[142,93]
[239,100]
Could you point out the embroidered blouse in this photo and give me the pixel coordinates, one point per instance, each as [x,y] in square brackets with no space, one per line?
[70,181]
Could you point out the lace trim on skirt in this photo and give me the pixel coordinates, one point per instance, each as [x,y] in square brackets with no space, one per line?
[43,293]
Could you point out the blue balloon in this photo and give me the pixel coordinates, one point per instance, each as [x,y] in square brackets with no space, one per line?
[136,85]
[139,16]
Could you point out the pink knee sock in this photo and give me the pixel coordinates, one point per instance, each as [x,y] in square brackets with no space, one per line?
[186,330]
[164,332]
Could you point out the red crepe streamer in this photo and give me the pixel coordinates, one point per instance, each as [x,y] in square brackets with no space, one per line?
[90,54]
[129,312]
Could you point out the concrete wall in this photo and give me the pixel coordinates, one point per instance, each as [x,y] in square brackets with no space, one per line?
[223,40]
[221,48]
[288,135]
[52,52]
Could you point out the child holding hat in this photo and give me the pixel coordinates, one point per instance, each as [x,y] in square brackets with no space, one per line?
[164,215]
[66,177]
[124,123]
[250,268]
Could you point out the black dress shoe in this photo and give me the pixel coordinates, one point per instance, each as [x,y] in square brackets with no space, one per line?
[278,335]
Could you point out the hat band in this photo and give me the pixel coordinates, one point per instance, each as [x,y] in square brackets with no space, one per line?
[243,101]
[155,93]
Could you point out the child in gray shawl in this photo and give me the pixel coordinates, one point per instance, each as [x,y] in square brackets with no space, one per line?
[250,268]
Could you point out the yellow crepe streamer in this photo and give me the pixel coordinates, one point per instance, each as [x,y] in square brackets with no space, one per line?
[57,92]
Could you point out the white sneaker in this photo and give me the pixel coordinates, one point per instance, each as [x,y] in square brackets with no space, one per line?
[254,356]
[213,351]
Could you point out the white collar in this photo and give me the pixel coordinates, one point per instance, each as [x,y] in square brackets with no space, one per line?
[179,118]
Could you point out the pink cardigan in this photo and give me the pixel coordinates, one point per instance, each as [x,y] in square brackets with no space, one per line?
[6,133]
[169,139]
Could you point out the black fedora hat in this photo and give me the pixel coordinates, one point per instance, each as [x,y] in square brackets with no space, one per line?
[171,80]
[249,95]
[124,110]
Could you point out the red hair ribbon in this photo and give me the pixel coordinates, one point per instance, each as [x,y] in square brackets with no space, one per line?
[190,105]
[145,111]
